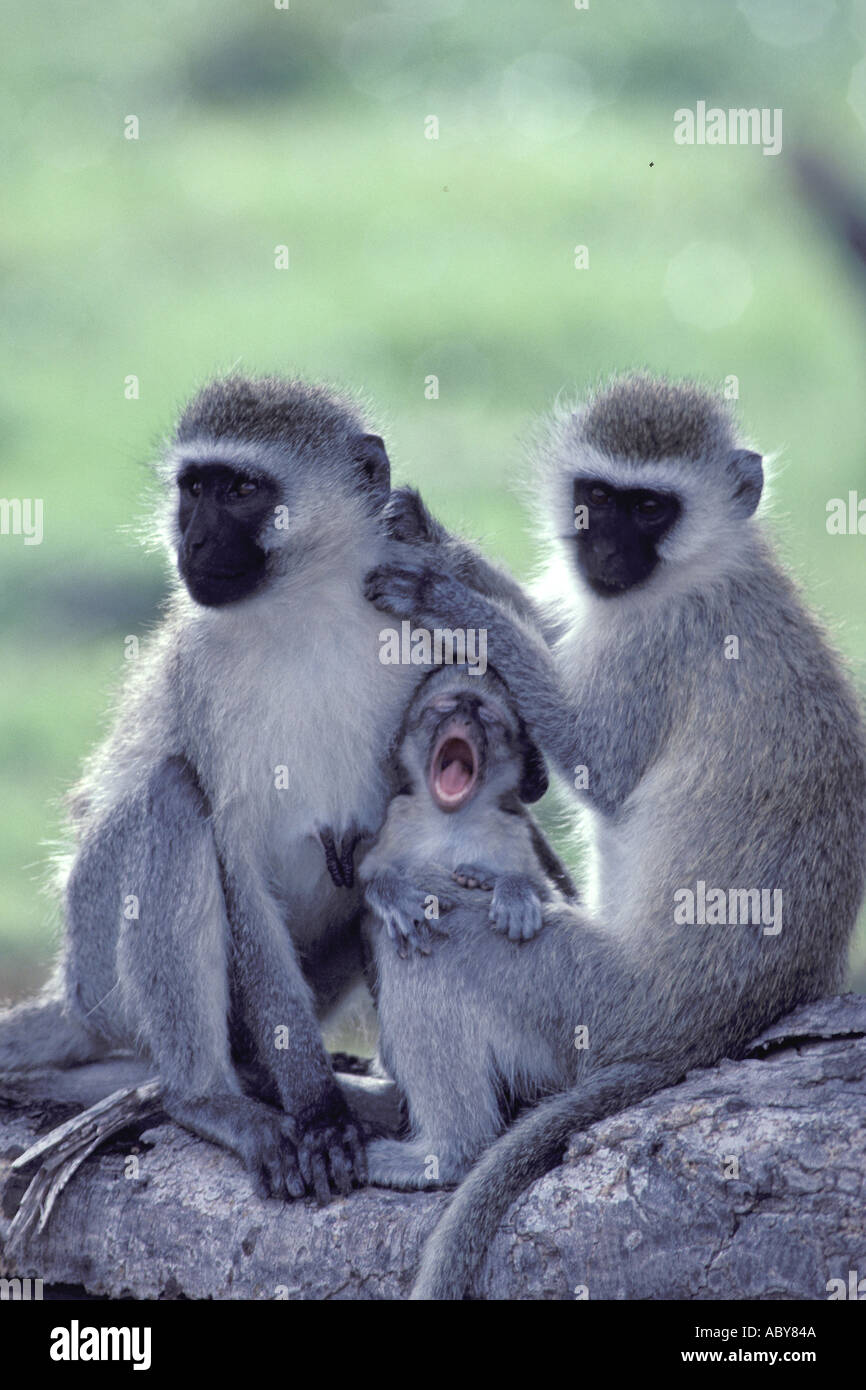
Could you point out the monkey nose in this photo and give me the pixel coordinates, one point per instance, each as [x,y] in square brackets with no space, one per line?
[458,726]
[463,719]
[195,539]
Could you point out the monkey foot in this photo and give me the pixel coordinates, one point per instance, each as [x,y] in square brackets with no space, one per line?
[471,876]
[516,908]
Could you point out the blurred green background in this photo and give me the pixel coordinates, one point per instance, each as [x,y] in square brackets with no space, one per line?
[409,257]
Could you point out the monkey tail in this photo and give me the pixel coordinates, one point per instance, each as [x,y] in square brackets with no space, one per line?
[44,1032]
[535,1144]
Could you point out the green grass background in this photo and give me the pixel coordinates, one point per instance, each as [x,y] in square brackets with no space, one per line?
[409,256]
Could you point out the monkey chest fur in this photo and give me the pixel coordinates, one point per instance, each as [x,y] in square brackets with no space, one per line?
[307,719]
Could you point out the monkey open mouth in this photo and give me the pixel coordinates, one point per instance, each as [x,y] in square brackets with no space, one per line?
[453,771]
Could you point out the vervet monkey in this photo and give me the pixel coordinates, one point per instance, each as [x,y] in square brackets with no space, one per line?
[210,913]
[458,822]
[708,730]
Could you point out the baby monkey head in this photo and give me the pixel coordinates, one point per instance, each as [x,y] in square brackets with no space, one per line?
[463,735]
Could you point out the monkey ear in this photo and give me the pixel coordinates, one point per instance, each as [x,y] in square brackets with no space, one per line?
[534,780]
[368,451]
[748,471]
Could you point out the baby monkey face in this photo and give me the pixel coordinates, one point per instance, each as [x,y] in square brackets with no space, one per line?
[463,735]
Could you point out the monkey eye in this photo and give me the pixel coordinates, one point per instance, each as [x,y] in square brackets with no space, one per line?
[191,485]
[444,703]
[648,506]
[244,487]
[490,717]
[599,496]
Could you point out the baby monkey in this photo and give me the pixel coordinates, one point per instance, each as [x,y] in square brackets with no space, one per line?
[458,857]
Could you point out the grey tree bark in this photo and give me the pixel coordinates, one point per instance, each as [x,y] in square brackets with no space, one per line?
[748,1181]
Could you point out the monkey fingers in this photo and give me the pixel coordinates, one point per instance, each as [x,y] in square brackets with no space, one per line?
[267,1174]
[401,909]
[416,590]
[274,1169]
[333,859]
[408,520]
[357,1152]
[294,1182]
[347,1158]
[338,1162]
[264,1139]
[340,855]
[397,588]
[314,1172]
[348,845]
[331,1155]
[471,876]
[407,933]
[516,908]
[413,931]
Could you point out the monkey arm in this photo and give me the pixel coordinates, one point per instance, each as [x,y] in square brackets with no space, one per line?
[278,1013]
[416,901]
[197,926]
[573,727]
[432,599]
[409,522]
[170,997]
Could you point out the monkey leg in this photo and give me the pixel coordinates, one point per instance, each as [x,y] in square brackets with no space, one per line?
[46,1032]
[455,1039]
[278,1012]
[412,1164]
[171,993]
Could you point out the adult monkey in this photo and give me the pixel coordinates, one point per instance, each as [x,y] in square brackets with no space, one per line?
[205,926]
[718,741]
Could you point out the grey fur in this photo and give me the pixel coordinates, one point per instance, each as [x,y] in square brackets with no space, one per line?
[240,929]
[640,417]
[457,1106]
[746,773]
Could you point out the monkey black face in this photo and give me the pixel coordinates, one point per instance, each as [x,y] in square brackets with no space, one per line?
[617,531]
[221,513]
[467,740]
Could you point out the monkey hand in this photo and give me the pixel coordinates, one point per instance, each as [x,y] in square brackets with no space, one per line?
[287,1153]
[340,857]
[417,591]
[516,907]
[408,520]
[330,1152]
[402,910]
